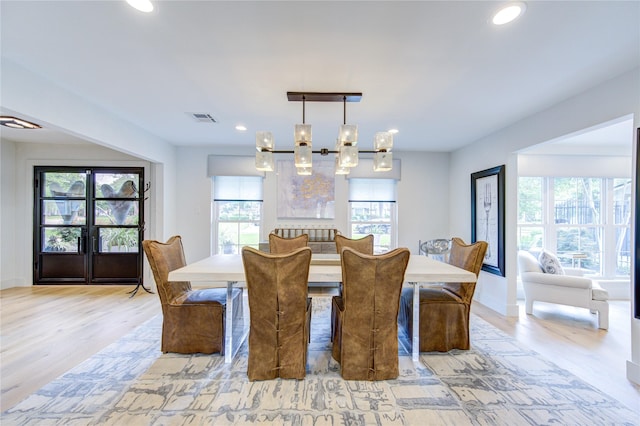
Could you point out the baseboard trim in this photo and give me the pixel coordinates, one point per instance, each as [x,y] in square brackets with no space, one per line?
[633,372]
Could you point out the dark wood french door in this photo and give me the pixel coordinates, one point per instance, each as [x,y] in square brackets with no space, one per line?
[88,225]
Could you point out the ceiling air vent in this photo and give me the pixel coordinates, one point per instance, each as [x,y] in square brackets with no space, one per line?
[203,117]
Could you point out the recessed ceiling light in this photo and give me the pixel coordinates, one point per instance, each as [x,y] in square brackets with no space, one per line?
[394,131]
[241,128]
[508,13]
[16,123]
[141,5]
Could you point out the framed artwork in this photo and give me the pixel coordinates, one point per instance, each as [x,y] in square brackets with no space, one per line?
[306,197]
[487,216]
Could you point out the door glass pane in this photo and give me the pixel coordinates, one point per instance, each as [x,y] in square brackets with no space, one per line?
[61,240]
[60,184]
[120,212]
[114,189]
[118,240]
[68,192]
[64,212]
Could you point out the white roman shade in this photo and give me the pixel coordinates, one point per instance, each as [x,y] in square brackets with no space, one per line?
[237,188]
[372,190]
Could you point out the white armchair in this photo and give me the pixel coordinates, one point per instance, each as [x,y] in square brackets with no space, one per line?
[570,289]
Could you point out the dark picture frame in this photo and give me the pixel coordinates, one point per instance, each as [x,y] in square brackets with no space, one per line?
[487,216]
[636,280]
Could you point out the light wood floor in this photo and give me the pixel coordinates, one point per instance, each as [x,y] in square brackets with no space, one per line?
[47,330]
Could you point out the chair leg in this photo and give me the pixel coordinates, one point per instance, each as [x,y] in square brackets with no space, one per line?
[603,317]
[528,306]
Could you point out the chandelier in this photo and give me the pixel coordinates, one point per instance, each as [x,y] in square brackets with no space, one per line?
[346,150]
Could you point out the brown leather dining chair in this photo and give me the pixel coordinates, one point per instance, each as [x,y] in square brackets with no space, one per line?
[366,339]
[279,245]
[192,320]
[363,245]
[280,313]
[444,311]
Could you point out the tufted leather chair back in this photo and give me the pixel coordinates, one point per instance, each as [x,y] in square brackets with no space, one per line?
[469,257]
[280,313]
[164,258]
[362,245]
[280,245]
[366,340]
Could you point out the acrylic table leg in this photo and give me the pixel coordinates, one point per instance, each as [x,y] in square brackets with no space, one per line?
[229,351]
[415,338]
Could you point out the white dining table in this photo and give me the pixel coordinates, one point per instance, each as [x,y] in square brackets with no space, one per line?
[226,270]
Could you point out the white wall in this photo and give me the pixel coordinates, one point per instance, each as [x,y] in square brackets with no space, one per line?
[576,165]
[609,101]
[8,210]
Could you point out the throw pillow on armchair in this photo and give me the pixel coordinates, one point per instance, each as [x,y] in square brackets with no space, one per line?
[550,263]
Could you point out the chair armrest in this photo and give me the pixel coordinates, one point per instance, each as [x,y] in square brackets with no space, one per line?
[556,280]
[575,272]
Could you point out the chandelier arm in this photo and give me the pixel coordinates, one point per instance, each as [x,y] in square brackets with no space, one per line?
[322,151]
[303,107]
[344,113]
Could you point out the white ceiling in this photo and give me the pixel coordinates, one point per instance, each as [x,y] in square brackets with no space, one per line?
[437,71]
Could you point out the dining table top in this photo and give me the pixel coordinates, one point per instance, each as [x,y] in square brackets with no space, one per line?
[223,268]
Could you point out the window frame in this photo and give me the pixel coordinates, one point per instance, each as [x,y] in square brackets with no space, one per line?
[608,254]
[392,222]
[216,244]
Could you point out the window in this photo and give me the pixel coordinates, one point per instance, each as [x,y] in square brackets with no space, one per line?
[530,214]
[621,223]
[238,213]
[585,221]
[372,210]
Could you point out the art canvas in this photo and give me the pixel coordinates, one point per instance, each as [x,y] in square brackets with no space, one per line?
[306,197]
[487,216]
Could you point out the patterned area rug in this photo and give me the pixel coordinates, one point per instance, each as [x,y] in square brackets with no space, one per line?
[497,382]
